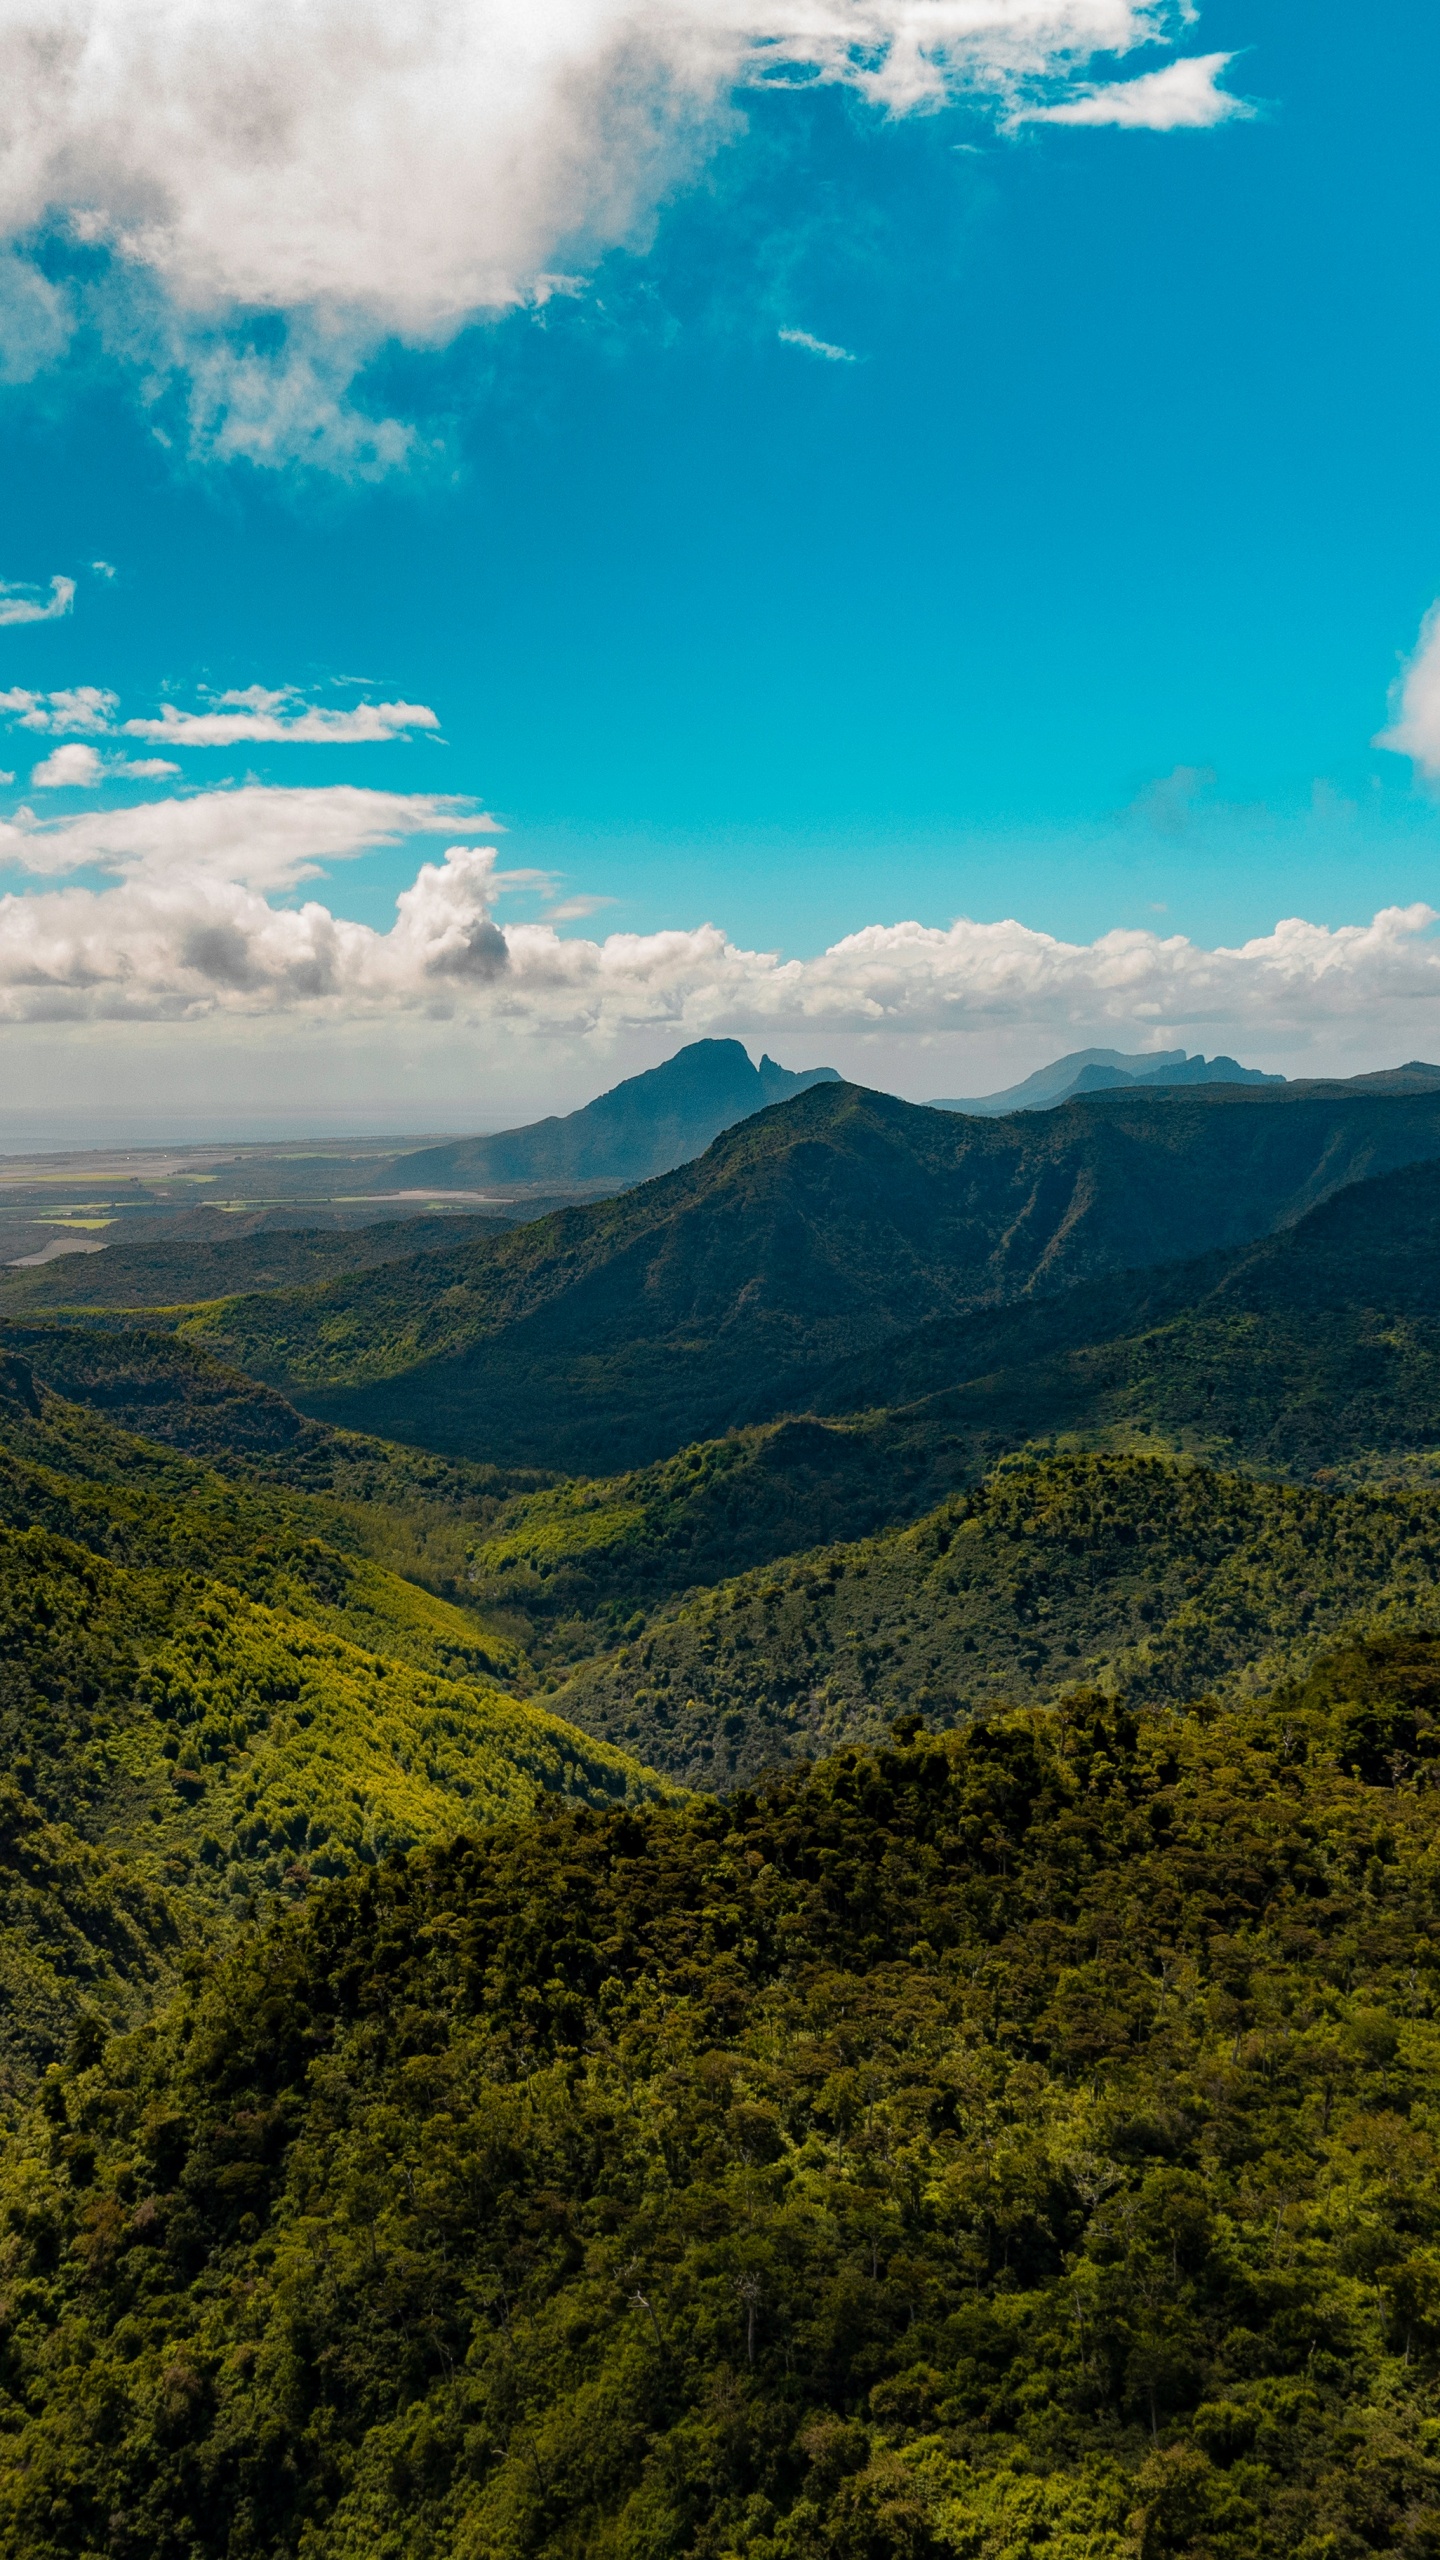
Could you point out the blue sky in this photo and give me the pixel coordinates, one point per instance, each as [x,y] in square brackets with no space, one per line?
[1071,589]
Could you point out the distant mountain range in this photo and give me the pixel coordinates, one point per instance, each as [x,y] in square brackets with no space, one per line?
[606,1335]
[1105,1071]
[647,1125]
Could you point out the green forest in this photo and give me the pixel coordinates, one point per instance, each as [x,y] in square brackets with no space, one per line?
[854,1977]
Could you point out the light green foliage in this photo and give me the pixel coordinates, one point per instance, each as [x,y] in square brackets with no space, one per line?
[201,1707]
[1021,2140]
[570,1566]
[1157,1577]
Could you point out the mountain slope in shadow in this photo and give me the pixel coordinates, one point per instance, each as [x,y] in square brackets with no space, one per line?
[817,1231]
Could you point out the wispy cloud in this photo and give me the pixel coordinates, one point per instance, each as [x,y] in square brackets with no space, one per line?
[261,836]
[385,169]
[32,604]
[1185,96]
[575,910]
[1414,728]
[258,714]
[816,346]
[279,716]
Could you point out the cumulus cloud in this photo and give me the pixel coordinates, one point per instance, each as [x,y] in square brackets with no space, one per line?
[1415,704]
[188,931]
[76,768]
[280,715]
[1186,94]
[816,346]
[32,604]
[71,768]
[84,707]
[382,168]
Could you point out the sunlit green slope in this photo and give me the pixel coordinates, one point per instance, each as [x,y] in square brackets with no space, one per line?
[1159,1577]
[203,1701]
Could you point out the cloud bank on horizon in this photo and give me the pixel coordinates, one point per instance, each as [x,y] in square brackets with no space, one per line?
[186,931]
[396,169]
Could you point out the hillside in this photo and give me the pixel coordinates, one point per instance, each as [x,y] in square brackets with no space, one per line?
[104,1405]
[1315,1352]
[1019,2140]
[1160,1579]
[210,1692]
[720,1294]
[642,1127]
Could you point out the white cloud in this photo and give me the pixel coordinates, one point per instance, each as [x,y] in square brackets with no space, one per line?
[258,713]
[31,604]
[1185,96]
[260,837]
[85,707]
[280,715]
[187,932]
[383,168]
[816,346]
[1415,703]
[69,769]
[76,768]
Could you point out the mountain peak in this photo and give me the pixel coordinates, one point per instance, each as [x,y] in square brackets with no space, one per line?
[646,1125]
[1105,1071]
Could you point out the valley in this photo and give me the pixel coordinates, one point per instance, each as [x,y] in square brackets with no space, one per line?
[729,1855]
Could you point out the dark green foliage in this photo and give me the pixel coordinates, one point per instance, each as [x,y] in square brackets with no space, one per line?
[203,1700]
[608,1336]
[83,1934]
[1160,1577]
[183,1743]
[1316,1350]
[1025,2137]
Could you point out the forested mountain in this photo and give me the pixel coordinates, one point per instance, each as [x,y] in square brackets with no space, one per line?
[1316,1351]
[645,1126]
[1020,2140]
[452,2141]
[609,1335]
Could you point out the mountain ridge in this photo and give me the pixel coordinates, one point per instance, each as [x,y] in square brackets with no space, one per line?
[608,1335]
[1102,1071]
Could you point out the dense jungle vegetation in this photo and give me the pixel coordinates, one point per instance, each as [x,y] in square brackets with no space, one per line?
[210,1693]
[429,2132]
[1017,2140]
[1158,1578]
